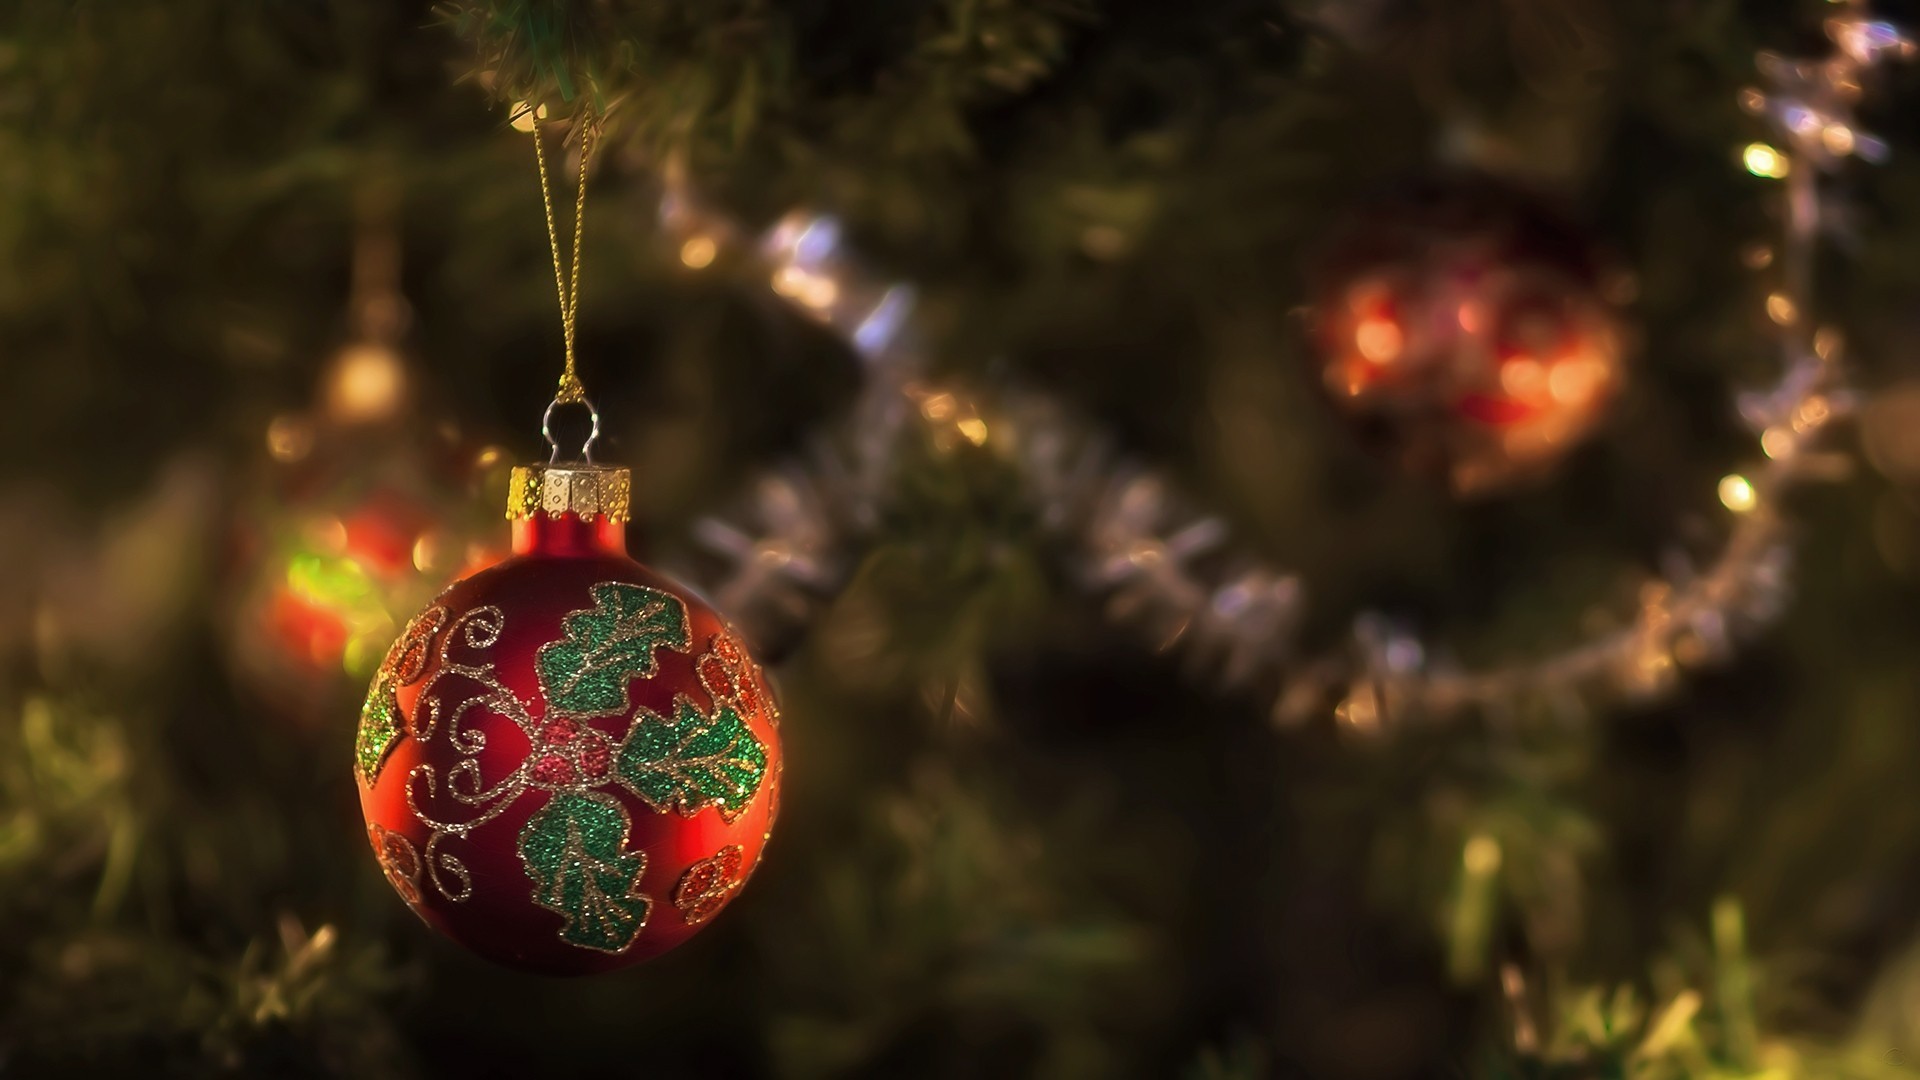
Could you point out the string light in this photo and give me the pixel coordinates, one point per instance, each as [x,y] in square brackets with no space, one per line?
[1481,856]
[1763,160]
[367,383]
[524,117]
[1781,309]
[1736,493]
[698,252]
[784,546]
[1378,339]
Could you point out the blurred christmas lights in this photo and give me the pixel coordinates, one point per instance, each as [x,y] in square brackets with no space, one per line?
[367,382]
[787,543]
[1174,574]
[356,525]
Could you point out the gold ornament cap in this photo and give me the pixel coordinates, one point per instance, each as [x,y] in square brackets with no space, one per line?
[580,488]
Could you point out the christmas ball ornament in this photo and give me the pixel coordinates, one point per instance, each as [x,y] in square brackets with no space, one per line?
[1463,329]
[568,763]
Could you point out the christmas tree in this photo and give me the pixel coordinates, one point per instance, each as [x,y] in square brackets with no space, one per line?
[1168,685]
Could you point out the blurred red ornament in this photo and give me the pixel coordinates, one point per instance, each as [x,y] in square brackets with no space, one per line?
[1463,329]
[567,762]
[350,530]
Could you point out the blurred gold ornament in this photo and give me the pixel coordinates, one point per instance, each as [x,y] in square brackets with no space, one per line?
[367,383]
[289,438]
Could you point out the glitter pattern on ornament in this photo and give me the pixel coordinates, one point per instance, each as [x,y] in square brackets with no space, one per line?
[555,751]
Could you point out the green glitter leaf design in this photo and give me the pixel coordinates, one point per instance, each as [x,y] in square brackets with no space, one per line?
[572,850]
[586,674]
[379,727]
[694,762]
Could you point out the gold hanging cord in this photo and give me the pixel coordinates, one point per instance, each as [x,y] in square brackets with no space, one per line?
[566,276]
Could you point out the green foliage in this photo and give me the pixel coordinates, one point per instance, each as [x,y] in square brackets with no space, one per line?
[723,70]
[952,907]
[97,988]
[957,541]
[124,1003]
[1702,1025]
[686,67]
[65,802]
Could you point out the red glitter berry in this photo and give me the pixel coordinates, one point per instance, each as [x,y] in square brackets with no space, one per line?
[749,695]
[553,770]
[560,731]
[595,760]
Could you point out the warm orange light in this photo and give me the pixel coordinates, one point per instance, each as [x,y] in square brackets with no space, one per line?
[1576,381]
[816,291]
[427,551]
[1737,494]
[525,115]
[328,534]
[1348,378]
[367,383]
[1524,377]
[289,438]
[1472,316]
[1379,339]
[1367,296]
[1781,309]
[698,252]
[1812,413]
[1764,161]
[938,406]
[1481,856]
[973,429]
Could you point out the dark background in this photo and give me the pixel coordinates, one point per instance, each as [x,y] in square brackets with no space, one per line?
[1014,841]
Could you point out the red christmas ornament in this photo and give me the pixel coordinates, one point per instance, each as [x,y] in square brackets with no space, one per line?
[346,532]
[1462,328]
[567,762]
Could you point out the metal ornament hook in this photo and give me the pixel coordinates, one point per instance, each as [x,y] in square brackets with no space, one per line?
[546,429]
